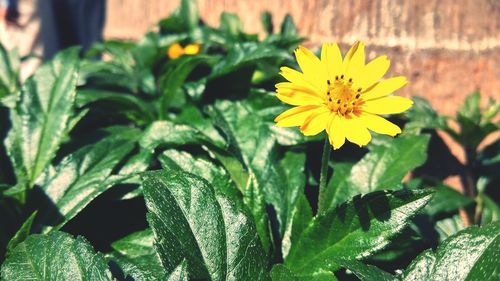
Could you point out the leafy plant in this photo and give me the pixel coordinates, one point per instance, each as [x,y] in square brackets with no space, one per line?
[173,169]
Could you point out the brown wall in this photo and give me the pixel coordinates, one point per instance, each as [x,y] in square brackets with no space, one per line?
[447,48]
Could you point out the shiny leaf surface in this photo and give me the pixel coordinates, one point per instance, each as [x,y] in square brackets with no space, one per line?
[137,258]
[384,167]
[356,229]
[22,233]
[56,257]
[166,133]
[42,116]
[471,254]
[366,272]
[79,178]
[447,200]
[282,273]
[190,221]
[9,71]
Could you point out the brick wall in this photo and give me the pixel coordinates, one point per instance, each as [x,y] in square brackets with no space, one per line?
[447,48]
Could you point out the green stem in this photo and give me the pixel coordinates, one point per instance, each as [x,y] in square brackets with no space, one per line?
[479,210]
[323,176]
[470,184]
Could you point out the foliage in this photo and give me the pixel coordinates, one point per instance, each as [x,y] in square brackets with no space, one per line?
[173,170]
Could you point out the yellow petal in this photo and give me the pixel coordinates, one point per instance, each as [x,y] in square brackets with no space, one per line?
[296,95]
[316,122]
[287,88]
[300,79]
[354,61]
[192,49]
[336,131]
[295,116]
[296,99]
[379,124]
[385,87]
[310,64]
[332,59]
[175,51]
[356,132]
[372,72]
[387,105]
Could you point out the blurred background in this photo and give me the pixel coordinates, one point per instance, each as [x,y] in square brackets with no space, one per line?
[446,48]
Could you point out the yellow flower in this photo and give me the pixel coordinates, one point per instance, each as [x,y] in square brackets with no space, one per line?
[176,50]
[192,49]
[342,96]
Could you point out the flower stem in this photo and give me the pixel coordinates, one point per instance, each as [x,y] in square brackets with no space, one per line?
[323,176]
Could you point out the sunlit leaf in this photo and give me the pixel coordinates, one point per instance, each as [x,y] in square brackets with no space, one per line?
[189,221]
[354,230]
[56,256]
[42,115]
[471,254]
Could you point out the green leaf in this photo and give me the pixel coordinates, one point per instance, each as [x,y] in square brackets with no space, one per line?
[288,27]
[244,54]
[138,163]
[339,188]
[22,233]
[266,19]
[129,175]
[471,254]
[356,229]
[298,211]
[231,24]
[189,221]
[166,133]
[136,244]
[192,116]
[79,178]
[55,256]
[449,226]
[189,14]
[41,117]
[249,138]
[423,116]
[299,218]
[271,180]
[235,168]
[121,101]
[471,108]
[244,132]
[491,111]
[446,200]
[10,217]
[172,80]
[173,25]
[139,268]
[384,167]
[281,273]
[491,211]
[180,273]
[137,257]
[217,176]
[9,71]
[471,134]
[147,52]
[366,272]
[255,200]
[125,69]
[277,181]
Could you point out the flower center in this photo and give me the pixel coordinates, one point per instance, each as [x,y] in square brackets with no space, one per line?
[342,98]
